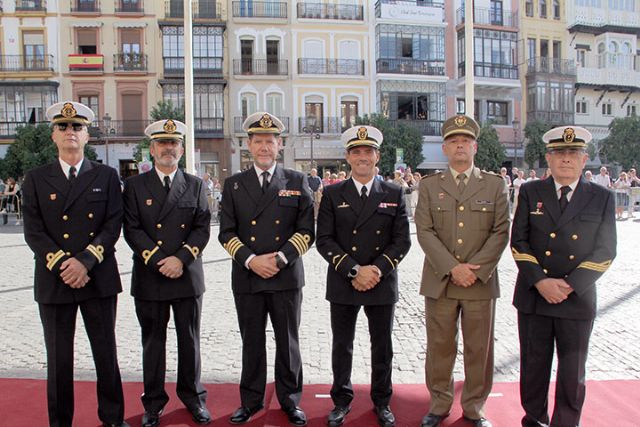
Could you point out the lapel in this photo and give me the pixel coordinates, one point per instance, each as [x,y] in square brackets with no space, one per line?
[350,196]
[371,205]
[250,182]
[178,187]
[550,202]
[448,184]
[57,178]
[86,175]
[582,195]
[278,182]
[155,187]
[475,184]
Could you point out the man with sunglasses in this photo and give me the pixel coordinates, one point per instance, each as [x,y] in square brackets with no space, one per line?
[563,239]
[72,218]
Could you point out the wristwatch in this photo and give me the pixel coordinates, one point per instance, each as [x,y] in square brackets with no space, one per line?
[280,262]
[353,272]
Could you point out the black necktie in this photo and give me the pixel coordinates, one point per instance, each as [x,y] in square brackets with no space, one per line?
[265,181]
[363,193]
[72,173]
[461,184]
[563,197]
[167,184]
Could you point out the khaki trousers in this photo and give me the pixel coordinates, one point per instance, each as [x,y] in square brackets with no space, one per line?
[476,318]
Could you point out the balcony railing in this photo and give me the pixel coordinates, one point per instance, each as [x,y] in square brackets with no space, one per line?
[409,9]
[79,62]
[347,12]
[202,9]
[208,125]
[118,128]
[237,124]
[85,6]
[24,63]
[123,6]
[326,125]
[261,67]
[552,117]
[129,62]
[552,66]
[485,16]
[352,67]
[256,9]
[410,66]
[30,6]
[496,71]
[202,66]
[426,127]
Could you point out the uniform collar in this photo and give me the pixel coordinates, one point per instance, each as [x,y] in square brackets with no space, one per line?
[161,175]
[66,166]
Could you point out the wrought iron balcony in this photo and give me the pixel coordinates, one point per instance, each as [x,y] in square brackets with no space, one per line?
[30,6]
[129,62]
[487,69]
[346,12]
[85,6]
[202,9]
[26,63]
[257,9]
[326,125]
[208,125]
[260,67]
[486,16]
[118,128]
[426,127]
[202,66]
[410,66]
[237,124]
[352,67]
[546,65]
[90,62]
[123,6]
[557,118]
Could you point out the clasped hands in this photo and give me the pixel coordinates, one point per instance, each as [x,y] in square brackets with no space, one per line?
[74,274]
[463,274]
[367,278]
[554,291]
[264,265]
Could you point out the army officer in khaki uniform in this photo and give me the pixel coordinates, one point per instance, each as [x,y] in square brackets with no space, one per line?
[462,222]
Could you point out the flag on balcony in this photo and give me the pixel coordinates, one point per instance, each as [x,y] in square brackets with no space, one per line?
[86,62]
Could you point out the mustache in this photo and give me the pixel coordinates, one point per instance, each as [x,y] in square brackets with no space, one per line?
[169,152]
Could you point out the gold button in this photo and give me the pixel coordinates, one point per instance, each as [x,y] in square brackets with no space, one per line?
[457,256]
[401,255]
[182,225]
[459,241]
[92,234]
[572,257]
[277,221]
[484,209]
[574,237]
[90,215]
[377,231]
[552,235]
[68,254]
[548,253]
[253,222]
[65,217]
[278,238]
[545,271]
[65,235]
[355,231]
[253,239]
[182,243]
[461,208]
[354,249]
[159,242]
[158,225]
[377,248]
[329,253]
[461,224]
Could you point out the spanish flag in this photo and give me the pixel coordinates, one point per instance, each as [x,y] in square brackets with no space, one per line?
[86,62]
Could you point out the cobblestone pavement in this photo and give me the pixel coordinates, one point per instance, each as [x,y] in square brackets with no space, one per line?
[615,344]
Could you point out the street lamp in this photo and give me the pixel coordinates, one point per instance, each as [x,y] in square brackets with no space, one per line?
[106,129]
[516,140]
[313,131]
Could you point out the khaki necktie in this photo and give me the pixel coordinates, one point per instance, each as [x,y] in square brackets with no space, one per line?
[461,184]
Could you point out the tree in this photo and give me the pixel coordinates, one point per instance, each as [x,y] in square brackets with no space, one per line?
[536,148]
[623,143]
[395,136]
[33,147]
[491,152]
[163,110]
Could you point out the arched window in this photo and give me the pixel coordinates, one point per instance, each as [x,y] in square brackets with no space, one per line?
[274,104]
[248,102]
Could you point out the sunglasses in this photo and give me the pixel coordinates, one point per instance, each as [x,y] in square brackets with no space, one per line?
[77,127]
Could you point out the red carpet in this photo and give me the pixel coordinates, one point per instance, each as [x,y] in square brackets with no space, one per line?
[23,403]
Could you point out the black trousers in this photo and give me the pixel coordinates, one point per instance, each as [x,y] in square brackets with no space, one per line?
[538,336]
[59,323]
[283,308]
[153,317]
[343,327]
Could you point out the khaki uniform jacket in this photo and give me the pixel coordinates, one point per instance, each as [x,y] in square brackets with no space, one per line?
[453,228]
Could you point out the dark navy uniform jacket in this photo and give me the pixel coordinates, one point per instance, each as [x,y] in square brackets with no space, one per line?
[577,245]
[158,225]
[280,220]
[352,233]
[81,220]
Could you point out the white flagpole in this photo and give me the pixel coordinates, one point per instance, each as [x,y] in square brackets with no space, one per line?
[469,92]
[189,149]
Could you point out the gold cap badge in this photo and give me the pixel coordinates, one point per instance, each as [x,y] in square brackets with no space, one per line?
[568,135]
[362,133]
[169,126]
[266,122]
[460,121]
[68,111]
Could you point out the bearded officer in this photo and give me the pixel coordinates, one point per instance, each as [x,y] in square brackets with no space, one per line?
[363,232]
[167,226]
[72,218]
[266,226]
[462,223]
[563,239]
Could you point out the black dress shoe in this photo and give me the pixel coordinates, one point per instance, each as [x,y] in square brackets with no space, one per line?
[385,416]
[480,422]
[244,414]
[337,415]
[122,424]
[296,416]
[151,419]
[432,420]
[200,415]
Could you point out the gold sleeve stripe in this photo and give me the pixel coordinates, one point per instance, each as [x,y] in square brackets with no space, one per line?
[147,254]
[343,257]
[333,261]
[297,245]
[52,259]
[523,257]
[194,250]
[304,240]
[97,251]
[393,266]
[233,246]
[596,266]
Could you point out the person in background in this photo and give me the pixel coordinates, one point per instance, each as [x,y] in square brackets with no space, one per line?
[208,185]
[378,176]
[342,175]
[517,183]
[622,187]
[327,181]
[415,193]
[589,176]
[532,175]
[547,173]
[634,183]
[603,178]
[315,184]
